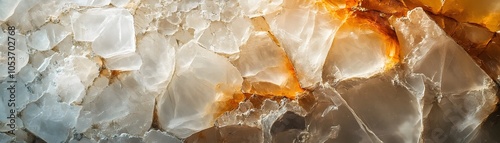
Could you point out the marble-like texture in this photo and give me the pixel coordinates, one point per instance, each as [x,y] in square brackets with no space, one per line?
[250,71]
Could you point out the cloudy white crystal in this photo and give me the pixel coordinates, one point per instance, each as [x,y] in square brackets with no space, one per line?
[465,94]
[111,31]
[306,34]
[7,8]
[196,87]
[47,37]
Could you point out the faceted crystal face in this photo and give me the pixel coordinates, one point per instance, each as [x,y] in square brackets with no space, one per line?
[270,71]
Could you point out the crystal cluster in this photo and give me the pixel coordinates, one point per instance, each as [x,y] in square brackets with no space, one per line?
[251,71]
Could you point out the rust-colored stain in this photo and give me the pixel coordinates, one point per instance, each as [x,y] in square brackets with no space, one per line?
[229,100]
[392,7]
[112,75]
[307,101]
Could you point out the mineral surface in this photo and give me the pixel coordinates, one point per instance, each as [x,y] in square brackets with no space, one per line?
[231,71]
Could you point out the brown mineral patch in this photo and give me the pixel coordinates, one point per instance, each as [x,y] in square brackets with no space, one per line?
[155,123]
[210,135]
[112,75]
[307,101]
[394,7]
[428,5]
[472,37]
[256,100]
[449,25]
[490,58]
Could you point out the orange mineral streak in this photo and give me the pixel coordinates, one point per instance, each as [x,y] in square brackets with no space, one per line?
[338,9]
[378,23]
[337,4]
[229,99]
[290,89]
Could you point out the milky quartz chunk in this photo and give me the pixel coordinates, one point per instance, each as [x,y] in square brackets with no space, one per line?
[50,120]
[111,30]
[47,37]
[350,58]
[125,62]
[464,95]
[132,109]
[22,59]
[226,38]
[120,3]
[190,102]
[259,8]
[85,69]
[158,57]
[21,55]
[72,78]
[306,33]
[266,68]
[7,8]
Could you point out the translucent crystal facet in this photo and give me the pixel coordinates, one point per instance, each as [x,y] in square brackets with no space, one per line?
[257,71]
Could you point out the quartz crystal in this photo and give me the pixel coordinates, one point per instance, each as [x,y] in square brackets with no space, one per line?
[256,71]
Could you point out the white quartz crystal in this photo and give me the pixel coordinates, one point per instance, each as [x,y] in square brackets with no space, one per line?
[120,3]
[226,38]
[7,8]
[350,58]
[266,67]
[132,110]
[85,69]
[189,103]
[125,62]
[47,37]
[257,71]
[259,8]
[50,120]
[158,57]
[111,31]
[463,94]
[306,34]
